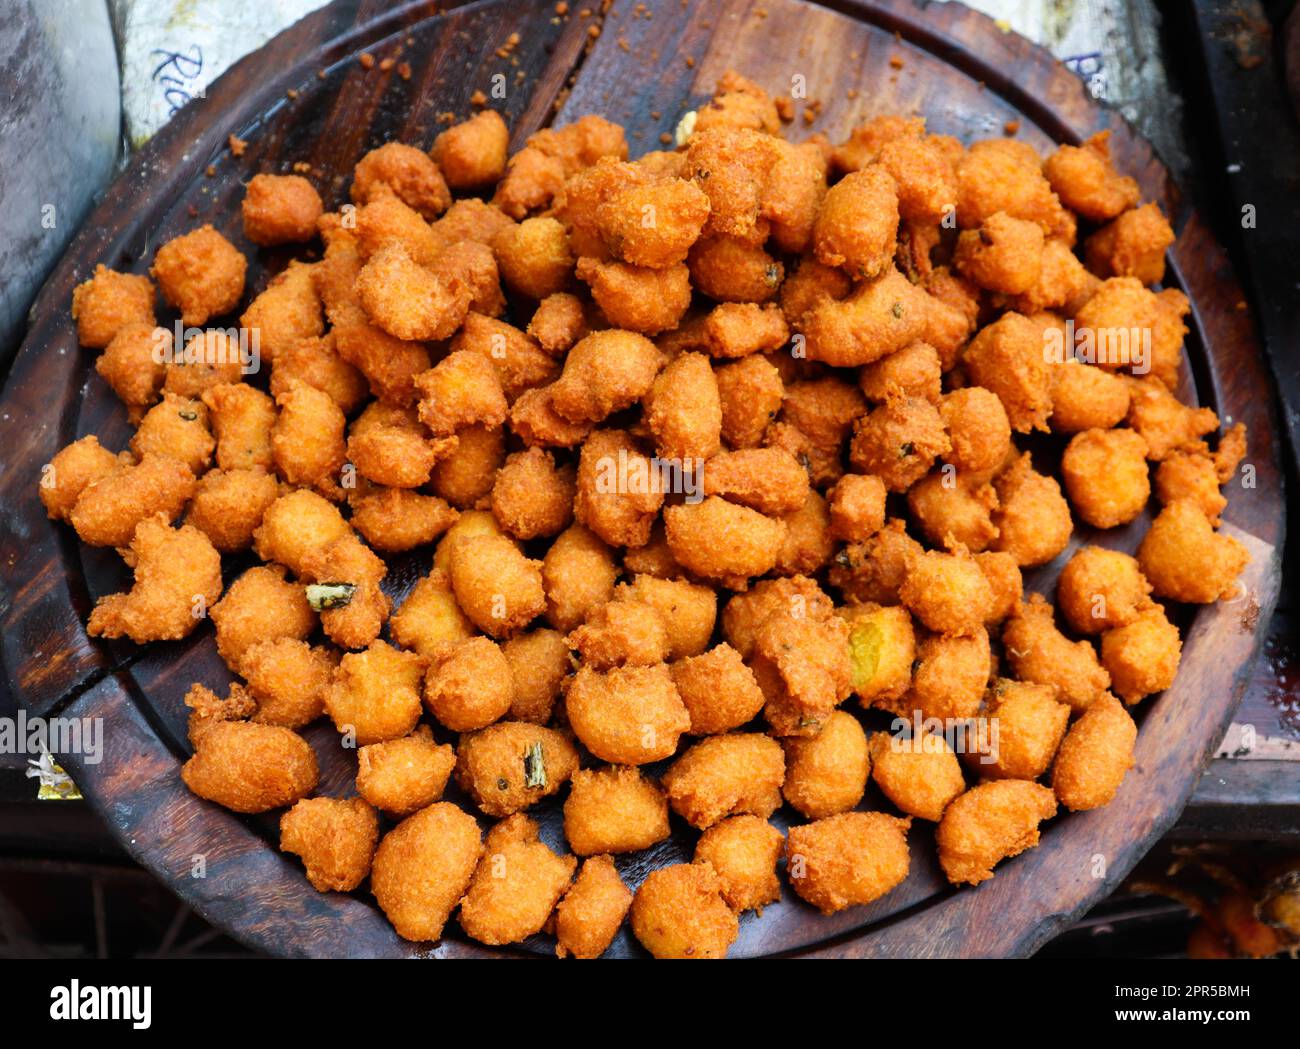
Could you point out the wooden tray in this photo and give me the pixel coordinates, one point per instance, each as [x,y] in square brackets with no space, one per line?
[305,96]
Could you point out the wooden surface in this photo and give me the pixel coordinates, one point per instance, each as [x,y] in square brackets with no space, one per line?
[965,75]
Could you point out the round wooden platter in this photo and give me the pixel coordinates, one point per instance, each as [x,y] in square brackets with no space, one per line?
[308,97]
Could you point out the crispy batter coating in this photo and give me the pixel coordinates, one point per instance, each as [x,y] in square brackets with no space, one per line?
[1185,559]
[497,586]
[857,224]
[296,526]
[109,507]
[1087,182]
[1133,245]
[614,810]
[769,480]
[73,469]
[1085,397]
[133,364]
[109,302]
[558,322]
[589,916]
[1099,589]
[423,867]
[743,850]
[473,152]
[848,859]
[1095,756]
[243,420]
[1005,580]
[619,489]
[915,369]
[1038,652]
[621,633]
[356,621]
[401,776]
[402,171]
[539,662]
[201,274]
[465,475]
[336,839]
[1105,473]
[899,441]
[919,774]
[470,686]
[947,592]
[534,257]
[874,570]
[177,578]
[718,539]
[990,823]
[531,497]
[1021,730]
[685,410]
[638,298]
[307,439]
[628,715]
[512,765]
[390,446]
[745,613]
[719,690]
[856,507]
[288,678]
[389,365]
[1004,255]
[1142,656]
[954,509]
[750,392]
[1033,518]
[248,767]
[827,773]
[679,912]
[604,373]
[1007,357]
[280,209]
[1004,175]
[689,610]
[408,301]
[948,678]
[261,605]
[375,694]
[1165,423]
[978,429]
[516,885]
[429,619]
[176,426]
[740,772]
[732,269]
[653,224]
[578,575]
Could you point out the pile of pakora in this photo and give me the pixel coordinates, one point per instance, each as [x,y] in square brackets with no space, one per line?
[713,451]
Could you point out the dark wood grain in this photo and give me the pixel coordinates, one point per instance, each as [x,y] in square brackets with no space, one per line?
[965,75]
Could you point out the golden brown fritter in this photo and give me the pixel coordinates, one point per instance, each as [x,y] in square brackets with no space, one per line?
[401,776]
[511,765]
[592,911]
[177,580]
[679,912]
[516,885]
[990,823]
[614,810]
[846,860]
[335,838]
[423,867]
